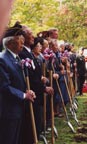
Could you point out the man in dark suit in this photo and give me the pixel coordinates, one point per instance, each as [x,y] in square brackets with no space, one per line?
[81,70]
[35,75]
[12,91]
[26,53]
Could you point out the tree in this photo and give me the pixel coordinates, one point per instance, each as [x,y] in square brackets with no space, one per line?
[69,16]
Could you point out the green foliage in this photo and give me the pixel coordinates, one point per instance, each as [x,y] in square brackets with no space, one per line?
[70,17]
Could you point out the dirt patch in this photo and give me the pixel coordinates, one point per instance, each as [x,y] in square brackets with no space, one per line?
[83,119]
[85,102]
[82,130]
[84,124]
[80,137]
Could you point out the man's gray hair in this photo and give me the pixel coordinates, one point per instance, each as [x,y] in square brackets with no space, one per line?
[6,40]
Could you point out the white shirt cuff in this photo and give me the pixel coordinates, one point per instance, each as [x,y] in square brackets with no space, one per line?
[24,96]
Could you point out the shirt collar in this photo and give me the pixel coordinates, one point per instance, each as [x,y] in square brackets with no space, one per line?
[27,48]
[14,55]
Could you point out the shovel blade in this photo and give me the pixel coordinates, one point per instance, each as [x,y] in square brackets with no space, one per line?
[71,127]
[42,138]
[55,132]
[75,106]
[75,117]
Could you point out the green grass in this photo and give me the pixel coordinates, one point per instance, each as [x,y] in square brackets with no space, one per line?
[65,135]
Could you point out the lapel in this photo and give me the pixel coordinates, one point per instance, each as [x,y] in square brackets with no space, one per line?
[28,54]
[16,66]
[38,67]
[12,59]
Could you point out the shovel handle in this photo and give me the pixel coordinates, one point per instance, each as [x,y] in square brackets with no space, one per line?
[44,106]
[32,114]
[52,110]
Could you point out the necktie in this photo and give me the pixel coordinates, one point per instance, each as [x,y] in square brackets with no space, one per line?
[17,58]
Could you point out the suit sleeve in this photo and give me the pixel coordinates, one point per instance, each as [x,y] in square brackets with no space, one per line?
[5,83]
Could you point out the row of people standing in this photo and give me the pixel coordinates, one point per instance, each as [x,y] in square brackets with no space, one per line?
[34,49]
[15,121]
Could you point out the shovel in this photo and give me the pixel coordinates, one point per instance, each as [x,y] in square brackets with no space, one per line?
[72,108]
[32,113]
[67,118]
[52,112]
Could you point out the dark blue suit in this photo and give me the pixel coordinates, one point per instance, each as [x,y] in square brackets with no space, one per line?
[12,88]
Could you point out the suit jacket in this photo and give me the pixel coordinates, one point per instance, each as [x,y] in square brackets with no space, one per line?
[81,69]
[37,86]
[35,76]
[35,80]
[12,86]
[25,54]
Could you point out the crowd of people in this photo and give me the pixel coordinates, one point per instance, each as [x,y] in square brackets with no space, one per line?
[23,56]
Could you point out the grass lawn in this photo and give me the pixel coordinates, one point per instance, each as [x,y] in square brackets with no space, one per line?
[65,135]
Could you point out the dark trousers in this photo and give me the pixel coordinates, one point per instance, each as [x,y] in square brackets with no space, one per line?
[38,109]
[10,131]
[81,80]
[27,133]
